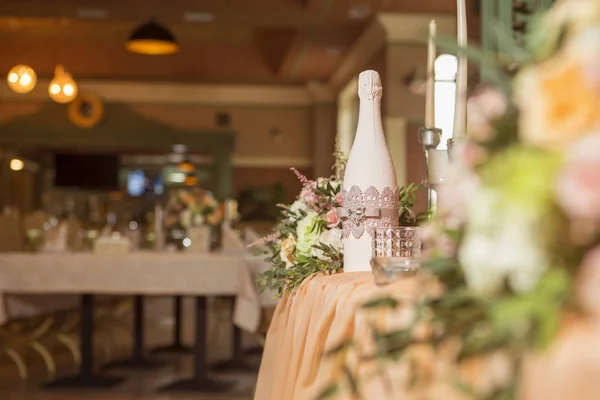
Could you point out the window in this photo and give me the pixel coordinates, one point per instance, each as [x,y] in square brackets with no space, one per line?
[445,95]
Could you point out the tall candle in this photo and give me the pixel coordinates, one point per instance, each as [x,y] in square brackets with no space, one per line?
[460,111]
[430,87]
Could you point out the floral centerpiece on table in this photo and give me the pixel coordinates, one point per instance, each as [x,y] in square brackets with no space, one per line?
[308,239]
[515,244]
[192,207]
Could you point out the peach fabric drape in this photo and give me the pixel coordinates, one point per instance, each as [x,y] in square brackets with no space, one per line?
[322,313]
[325,310]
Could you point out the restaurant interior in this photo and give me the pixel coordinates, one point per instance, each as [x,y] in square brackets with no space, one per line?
[112,112]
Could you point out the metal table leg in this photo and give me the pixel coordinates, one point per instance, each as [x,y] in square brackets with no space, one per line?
[200,381]
[86,378]
[177,347]
[137,360]
[238,362]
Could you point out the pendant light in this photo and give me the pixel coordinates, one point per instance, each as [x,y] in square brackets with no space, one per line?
[63,88]
[152,38]
[21,79]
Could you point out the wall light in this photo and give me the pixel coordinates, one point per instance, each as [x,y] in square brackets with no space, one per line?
[16,164]
[21,79]
[63,88]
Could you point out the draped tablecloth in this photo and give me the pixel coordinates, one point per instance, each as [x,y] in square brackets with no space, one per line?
[144,272]
[326,310]
[318,317]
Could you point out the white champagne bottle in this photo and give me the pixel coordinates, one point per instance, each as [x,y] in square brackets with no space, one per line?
[370,191]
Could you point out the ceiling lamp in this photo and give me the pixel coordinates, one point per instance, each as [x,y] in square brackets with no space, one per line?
[152,39]
[21,79]
[63,88]
[16,164]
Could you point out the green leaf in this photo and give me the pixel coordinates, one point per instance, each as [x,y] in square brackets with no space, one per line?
[339,348]
[381,302]
[351,381]
[508,46]
[329,391]
[488,65]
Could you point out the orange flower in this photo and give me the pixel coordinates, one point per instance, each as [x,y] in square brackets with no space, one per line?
[558,101]
[215,217]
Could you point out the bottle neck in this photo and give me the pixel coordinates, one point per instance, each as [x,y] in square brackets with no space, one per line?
[369,117]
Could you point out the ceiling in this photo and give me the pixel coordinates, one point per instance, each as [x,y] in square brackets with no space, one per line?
[222,41]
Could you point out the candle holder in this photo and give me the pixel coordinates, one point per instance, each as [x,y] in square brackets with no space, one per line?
[453,145]
[429,138]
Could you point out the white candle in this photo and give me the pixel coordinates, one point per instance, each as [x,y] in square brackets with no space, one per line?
[460,111]
[438,165]
[430,87]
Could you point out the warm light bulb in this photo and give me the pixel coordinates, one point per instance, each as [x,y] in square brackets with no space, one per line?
[54,89]
[21,79]
[68,90]
[25,80]
[63,88]
[16,164]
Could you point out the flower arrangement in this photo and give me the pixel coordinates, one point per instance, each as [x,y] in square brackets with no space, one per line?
[192,207]
[515,244]
[308,239]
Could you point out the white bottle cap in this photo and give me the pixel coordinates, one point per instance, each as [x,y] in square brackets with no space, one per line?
[369,85]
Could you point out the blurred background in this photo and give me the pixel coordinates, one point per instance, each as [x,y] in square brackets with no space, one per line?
[108,107]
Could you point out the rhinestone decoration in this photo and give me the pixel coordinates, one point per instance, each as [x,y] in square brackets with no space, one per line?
[355,201]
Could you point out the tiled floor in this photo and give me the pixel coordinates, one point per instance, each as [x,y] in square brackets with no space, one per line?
[138,386]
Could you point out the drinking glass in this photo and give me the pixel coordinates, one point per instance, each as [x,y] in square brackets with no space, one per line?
[396,253]
[402,241]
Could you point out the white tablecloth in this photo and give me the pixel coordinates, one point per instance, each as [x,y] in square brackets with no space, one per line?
[138,273]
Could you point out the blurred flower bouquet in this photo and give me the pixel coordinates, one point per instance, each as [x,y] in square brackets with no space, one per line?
[516,240]
[308,239]
[192,207]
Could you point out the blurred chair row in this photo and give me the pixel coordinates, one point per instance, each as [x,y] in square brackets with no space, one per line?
[27,341]
[41,328]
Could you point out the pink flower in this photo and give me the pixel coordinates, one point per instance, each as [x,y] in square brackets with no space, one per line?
[338,198]
[473,155]
[460,186]
[482,108]
[333,219]
[578,185]
[308,196]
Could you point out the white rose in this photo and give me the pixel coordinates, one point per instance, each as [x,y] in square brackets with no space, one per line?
[518,251]
[474,256]
[501,242]
[297,206]
[333,238]
[308,231]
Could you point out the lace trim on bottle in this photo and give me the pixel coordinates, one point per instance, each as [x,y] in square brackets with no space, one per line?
[355,201]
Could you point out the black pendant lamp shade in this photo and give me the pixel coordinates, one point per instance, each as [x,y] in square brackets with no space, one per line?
[152,39]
